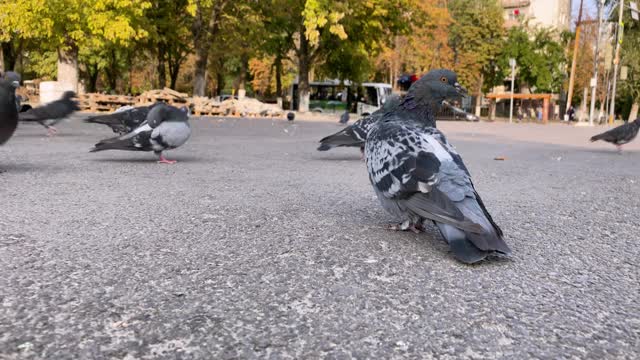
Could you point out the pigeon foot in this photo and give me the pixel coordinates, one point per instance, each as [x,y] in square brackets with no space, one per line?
[406,226]
[619,149]
[51,131]
[164,160]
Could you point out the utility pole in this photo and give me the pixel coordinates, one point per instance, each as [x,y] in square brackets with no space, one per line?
[512,62]
[594,81]
[575,57]
[616,62]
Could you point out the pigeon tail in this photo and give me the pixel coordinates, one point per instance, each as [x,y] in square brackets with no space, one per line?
[341,138]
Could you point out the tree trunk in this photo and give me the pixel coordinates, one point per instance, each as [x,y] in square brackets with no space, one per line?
[68,66]
[242,78]
[634,111]
[479,95]
[219,83]
[112,70]
[203,37]
[93,72]
[278,65]
[1,59]
[10,56]
[303,73]
[174,60]
[162,69]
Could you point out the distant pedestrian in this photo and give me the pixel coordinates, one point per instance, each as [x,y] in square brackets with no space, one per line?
[571,113]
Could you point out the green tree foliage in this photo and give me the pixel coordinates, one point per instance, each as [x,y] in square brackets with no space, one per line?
[476,38]
[540,59]
[68,25]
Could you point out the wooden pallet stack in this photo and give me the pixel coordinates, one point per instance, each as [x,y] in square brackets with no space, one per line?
[200,106]
[204,106]
[166,95]
[94,102]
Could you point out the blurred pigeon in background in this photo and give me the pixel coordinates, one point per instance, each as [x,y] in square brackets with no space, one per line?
[344,118]
[356,134]
[620,135]
[52,113]
[417,175]
[165,128]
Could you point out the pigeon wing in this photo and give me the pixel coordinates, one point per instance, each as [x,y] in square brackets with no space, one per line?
[137,140]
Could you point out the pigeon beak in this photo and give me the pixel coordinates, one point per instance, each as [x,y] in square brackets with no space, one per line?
[460,89]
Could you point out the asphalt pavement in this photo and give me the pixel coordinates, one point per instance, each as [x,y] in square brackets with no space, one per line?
[255,245]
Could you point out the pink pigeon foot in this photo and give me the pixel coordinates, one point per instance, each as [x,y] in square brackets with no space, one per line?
[163,160]
[51,131]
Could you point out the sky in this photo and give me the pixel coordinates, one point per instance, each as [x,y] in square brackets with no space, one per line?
[590,7]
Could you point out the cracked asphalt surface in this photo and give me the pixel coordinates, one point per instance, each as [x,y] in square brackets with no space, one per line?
[257,246]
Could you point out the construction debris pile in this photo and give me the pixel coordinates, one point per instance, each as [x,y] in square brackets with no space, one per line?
[200,106]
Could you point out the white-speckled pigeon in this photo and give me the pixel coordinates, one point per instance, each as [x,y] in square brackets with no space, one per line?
[418,175]
[8,107]
[356,133]
[124,120]
[165,128]
[620,135]
[53,112]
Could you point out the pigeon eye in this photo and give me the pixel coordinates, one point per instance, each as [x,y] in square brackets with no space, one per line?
[443,79]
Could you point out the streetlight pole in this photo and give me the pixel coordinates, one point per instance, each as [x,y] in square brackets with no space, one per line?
[616,62]
[594,81]
[512,62]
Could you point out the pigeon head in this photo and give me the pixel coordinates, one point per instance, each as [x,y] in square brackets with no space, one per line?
[68,95]
[157,114]
[13,78]
[436,86]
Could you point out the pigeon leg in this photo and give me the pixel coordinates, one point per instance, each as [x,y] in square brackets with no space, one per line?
[164,160]
[619,149]
[406,226]
[362,153]
[51,131]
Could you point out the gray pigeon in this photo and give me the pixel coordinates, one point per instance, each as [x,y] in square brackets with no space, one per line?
[344,118]
[165,128]
[52,113]
[356,133]
[620,135]
[8,109]
[124,120]
[417,175]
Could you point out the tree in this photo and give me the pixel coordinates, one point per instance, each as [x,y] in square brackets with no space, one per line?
[630,57]
[541,59]
[68,25]
[476,38]
[369,22]
[425,46]
[205,27]
[170,38]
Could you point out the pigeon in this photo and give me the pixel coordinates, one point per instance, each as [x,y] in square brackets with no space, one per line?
[620,135]
[417,174]
[124,120]
[356,133]
[52,113]
[344,118]
[8,107]
[166,127]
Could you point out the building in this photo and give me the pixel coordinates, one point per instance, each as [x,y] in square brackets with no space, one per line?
[546,13]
